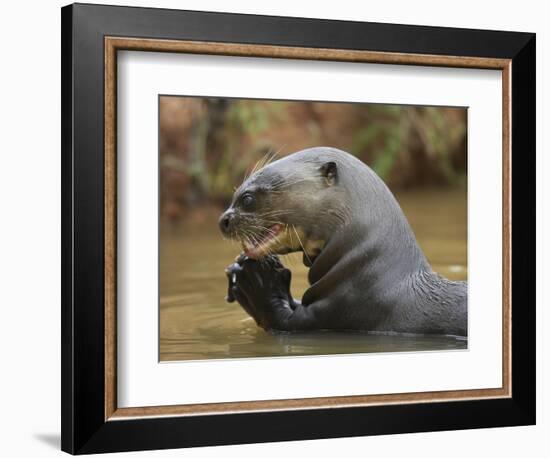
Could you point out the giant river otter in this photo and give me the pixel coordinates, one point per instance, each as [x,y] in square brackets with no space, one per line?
[367,271]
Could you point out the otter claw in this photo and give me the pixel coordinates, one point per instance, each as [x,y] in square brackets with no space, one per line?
[241,258]
[231,273]
[232,270]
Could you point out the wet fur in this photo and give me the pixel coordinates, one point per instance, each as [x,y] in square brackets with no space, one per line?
[370,273]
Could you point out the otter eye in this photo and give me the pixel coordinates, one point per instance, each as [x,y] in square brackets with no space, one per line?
[247,201]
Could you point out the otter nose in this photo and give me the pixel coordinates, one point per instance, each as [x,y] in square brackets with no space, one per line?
[226,221]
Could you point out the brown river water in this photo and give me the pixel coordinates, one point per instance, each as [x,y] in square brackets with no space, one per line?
[197,323]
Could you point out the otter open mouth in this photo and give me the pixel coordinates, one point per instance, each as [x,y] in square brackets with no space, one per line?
[257,248]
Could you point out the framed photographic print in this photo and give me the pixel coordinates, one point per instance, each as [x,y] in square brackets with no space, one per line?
[282,228]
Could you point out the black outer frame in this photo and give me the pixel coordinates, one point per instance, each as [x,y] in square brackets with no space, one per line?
[84,429]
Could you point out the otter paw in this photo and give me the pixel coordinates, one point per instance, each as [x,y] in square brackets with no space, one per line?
[262,288]
[264,280]
[235,293]
[265,288]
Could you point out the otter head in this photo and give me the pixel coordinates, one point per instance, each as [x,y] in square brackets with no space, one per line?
[286,206]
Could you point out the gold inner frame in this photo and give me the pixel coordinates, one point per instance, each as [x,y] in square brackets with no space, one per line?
[112,45]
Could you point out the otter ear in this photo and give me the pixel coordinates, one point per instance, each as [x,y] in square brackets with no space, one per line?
[329,172]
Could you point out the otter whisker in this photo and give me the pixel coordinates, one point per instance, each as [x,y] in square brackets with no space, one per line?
[266,228]
[301,244]
[271,220]
[264,161]
[290,236]
[287,184]
[288,257]
[269,158]
[252,238]
[262,228]
[275,212]
[258,238]
[279,150]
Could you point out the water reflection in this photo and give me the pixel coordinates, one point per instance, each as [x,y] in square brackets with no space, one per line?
[196,322]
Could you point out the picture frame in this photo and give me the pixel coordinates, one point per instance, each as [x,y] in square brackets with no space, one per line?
[92,35]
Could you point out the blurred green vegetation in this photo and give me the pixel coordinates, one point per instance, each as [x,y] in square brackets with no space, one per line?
[208,144]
